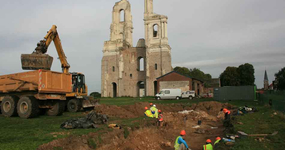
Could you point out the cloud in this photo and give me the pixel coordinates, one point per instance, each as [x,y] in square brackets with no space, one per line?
[209,35]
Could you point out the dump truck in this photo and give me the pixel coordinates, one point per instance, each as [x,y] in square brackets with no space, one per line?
[24,94]
[75,97]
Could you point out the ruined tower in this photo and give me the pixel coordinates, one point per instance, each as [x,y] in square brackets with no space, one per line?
[266,83]
[132,71]
[158,51]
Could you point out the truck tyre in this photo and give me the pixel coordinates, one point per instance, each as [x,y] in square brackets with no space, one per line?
[74,105]
[9,106]
[190,97]
[57,109]
[28,107]
[177,98]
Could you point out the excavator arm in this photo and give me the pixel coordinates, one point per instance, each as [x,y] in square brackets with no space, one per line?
[39,60]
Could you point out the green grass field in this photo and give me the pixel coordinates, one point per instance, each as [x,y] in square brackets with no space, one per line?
[27,134]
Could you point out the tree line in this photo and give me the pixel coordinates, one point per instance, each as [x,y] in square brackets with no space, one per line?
[238,76]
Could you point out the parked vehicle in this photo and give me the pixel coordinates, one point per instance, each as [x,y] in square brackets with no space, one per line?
[25,93]
[188,94]
[169,94]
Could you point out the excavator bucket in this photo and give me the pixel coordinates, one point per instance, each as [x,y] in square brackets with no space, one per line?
[36,61]
[89,101]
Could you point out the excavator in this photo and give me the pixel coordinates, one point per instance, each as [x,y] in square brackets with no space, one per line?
[78,98]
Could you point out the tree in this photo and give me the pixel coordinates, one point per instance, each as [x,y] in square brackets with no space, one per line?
[194,73]
[246,74]
[230,77]
[182,70]
[95,94]
[280,77]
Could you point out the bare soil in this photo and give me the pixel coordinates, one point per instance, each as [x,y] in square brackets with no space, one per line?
[148,135]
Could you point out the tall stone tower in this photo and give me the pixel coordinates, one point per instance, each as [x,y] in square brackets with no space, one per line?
[132,71]
[158,51]
[121,38]
[266,83]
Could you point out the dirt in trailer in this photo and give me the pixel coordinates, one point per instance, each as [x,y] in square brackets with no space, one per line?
[147,135]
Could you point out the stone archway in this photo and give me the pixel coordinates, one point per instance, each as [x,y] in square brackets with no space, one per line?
[141,89]
[114,89]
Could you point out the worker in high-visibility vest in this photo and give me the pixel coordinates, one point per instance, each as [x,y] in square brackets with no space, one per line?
[218,139]
[208,145]
[154,111]
[180,143]
[148,113]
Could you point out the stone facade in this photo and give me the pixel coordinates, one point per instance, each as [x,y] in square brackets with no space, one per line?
[132,71]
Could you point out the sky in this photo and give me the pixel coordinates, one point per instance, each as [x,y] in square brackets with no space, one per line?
[206,34]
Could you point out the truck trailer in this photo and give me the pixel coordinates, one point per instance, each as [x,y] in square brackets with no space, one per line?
[25,94]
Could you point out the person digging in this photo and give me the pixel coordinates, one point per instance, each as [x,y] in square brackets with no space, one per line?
[216,144]
[148,113]
[180,143]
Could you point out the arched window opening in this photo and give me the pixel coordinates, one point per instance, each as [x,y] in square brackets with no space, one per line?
[122,15]
[113,68]
[140,64]
[155,30]
[155,66]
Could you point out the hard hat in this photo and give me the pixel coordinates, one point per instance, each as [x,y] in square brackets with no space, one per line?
[218,138]
[208,141]
[182,132]
[150,104]
[145,108]
[159,111]
[225,110]
[154,105]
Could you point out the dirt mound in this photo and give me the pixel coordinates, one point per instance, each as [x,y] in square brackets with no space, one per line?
[136,110]
[212,107]
[68,143]
[148,136]
[114,111]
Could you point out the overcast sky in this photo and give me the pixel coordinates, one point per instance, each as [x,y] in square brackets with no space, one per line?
[206,34]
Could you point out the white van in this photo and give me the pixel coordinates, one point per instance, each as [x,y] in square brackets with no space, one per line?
[169,94]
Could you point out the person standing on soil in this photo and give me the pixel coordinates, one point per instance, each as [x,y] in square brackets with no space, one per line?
[160,118]
[208,145]
[227,114]
[227,121]
[148,113]
[180,143]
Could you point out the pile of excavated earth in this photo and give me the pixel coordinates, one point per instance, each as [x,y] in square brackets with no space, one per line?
[147,135]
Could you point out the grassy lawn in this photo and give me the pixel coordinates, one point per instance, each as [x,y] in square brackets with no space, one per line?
[262,122]
[27,134]
[130,101]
